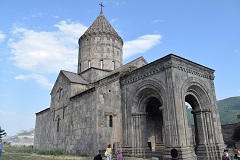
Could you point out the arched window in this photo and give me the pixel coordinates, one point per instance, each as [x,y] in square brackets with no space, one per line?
[113,65]
[110,121]
[101,64]
[89,64]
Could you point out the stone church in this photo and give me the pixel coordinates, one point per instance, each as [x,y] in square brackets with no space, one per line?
[140,106]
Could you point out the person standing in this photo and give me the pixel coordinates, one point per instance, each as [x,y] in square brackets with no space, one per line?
[98,157]
[174,153]
[1,146]
[109,152]
[225,155]
[235,151]
[119,153]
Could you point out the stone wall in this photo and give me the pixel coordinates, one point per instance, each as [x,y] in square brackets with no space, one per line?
[41,128]
[227,131]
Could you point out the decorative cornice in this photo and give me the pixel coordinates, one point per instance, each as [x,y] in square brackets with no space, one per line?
[194,72]
[143,75]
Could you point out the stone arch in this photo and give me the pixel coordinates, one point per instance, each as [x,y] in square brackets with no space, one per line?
[147,116]
[195,92]
[145,90]
[196,88]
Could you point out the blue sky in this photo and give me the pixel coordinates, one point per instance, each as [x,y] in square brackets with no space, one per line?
[40,38]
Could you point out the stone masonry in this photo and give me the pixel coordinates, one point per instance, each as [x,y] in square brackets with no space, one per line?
[138,105]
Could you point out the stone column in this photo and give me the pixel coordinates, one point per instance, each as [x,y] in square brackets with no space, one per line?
[205,148]
[139,141]
[175,120]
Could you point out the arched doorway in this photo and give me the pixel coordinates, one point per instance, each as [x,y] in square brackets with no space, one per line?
[193,104]
[146,119]
[197,97]
[154,122]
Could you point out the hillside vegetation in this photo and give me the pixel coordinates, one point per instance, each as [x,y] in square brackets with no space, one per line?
[228,109]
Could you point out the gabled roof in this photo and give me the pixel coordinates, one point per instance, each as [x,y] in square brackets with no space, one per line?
[101,26]
[74,77]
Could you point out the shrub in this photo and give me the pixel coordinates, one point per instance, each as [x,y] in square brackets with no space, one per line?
[50,152]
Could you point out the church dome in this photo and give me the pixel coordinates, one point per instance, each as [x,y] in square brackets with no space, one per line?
[100,47]
[101,26]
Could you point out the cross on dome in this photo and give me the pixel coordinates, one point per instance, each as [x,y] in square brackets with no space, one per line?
[101,7]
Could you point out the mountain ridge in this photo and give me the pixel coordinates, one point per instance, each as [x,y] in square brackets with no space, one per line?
[228,109]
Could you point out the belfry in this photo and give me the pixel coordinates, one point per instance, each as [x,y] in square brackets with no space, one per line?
[140,106]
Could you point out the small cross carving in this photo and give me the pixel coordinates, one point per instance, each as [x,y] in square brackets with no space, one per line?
[101,7]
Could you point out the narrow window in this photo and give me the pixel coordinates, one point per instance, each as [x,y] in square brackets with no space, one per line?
[53,114]
[113,65]
[58,120]
[101,64]
[110,121]
[59,92]
[89,64]
[63,111]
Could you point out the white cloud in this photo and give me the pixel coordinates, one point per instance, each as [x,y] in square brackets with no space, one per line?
[156,20]
[2,37]
[113,20]
[236,50]
[47,52]
[40,79]
[55,17]
[43,52]
[140,45]
[37,15]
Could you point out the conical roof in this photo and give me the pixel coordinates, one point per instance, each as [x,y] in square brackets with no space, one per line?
[101,26]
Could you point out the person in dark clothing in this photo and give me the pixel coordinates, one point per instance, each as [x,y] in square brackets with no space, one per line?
[174,153]
[98,157]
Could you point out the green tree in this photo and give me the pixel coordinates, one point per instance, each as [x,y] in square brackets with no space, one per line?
[236,134]
[2,133]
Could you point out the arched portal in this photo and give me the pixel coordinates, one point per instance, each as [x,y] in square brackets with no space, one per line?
[203,131]
[154,122]
[146,119]
[192,101]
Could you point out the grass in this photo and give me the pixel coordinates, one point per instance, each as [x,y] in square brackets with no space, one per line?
[29,153]
[33,156]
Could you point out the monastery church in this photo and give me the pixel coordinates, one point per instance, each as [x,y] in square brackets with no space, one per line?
[139,105]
